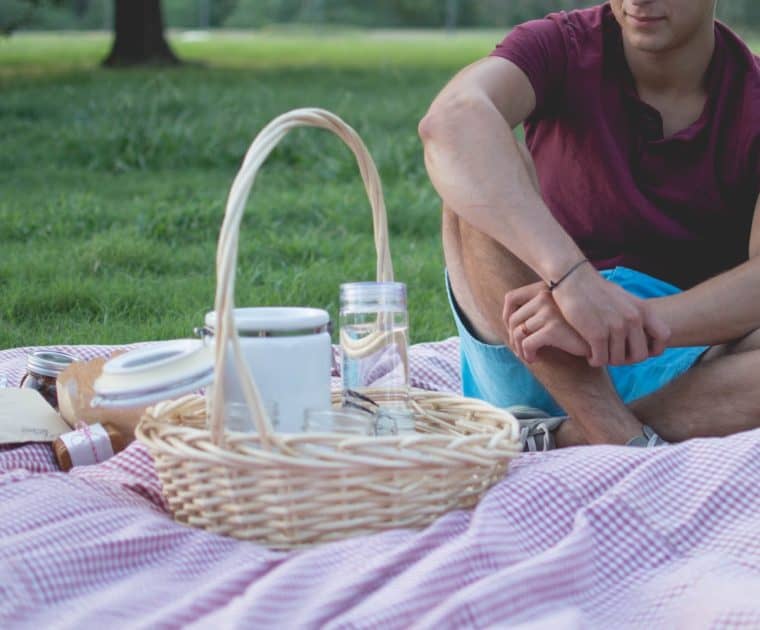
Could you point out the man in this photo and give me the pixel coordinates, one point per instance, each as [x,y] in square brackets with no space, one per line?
[642,121]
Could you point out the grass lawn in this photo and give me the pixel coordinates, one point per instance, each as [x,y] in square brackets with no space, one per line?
[113,183]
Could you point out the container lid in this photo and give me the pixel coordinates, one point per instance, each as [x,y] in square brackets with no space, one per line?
[49,362]
[159,372]
[263,320]
[392,294]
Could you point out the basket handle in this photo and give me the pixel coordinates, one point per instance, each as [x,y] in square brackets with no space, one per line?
[227,251]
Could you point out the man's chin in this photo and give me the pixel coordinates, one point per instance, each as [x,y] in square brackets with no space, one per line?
[649,43]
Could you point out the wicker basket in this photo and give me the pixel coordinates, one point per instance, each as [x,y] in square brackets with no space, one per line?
[295,490]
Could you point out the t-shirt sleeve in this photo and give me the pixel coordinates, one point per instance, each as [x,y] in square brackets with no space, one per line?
[538,48]
[756,165]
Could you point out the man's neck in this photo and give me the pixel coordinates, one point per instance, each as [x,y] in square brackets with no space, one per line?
[680,71]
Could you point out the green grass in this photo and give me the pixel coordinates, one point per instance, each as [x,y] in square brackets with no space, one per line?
[113,183]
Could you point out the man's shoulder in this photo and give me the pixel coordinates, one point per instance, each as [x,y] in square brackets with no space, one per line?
[738,51]
[586,33]
[582,22]
[741,94]
[742,76]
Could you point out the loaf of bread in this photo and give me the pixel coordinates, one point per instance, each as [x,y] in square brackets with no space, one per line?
[75,392]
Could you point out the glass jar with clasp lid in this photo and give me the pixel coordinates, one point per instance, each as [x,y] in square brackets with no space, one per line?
[43,368]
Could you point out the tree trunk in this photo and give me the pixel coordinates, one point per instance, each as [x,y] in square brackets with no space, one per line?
[452,15]
[139,35]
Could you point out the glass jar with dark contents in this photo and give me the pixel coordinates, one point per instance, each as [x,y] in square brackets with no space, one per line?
[43,369]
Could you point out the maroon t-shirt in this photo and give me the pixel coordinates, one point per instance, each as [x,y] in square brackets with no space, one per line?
[678,208]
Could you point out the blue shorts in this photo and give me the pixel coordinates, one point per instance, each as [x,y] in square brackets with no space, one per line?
[494,374]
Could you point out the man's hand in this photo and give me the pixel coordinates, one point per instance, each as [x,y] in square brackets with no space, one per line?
[538,323]
[618,327]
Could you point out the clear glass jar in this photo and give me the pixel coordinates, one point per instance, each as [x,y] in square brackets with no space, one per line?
[374,341]
[348,421]
[42,373]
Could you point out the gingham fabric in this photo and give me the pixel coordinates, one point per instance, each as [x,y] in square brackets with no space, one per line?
[605,537]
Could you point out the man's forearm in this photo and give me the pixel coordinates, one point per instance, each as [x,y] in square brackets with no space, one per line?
[719,310]
[475,165]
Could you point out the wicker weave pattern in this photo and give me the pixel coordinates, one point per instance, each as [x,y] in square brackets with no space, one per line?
[297,490]
[333,486]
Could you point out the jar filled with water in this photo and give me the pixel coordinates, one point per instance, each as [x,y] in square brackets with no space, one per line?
[374,341]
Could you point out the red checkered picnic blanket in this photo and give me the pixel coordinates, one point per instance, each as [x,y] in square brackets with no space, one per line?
[584,537]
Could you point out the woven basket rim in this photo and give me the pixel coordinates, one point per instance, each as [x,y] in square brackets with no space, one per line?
[338,451]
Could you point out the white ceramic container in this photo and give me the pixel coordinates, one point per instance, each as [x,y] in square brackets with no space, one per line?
[289,353]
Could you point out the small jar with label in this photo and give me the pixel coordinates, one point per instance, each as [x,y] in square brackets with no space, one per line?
[87,445]
[43,369]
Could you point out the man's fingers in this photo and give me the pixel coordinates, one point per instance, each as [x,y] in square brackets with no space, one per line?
[533,343]
[617,345]
[656,346]
[557,336]
[527,330]
[548,336]
[513,301]
[638,349]
[658,333]
[527,327]
[516,298]
[506,310]
[524,313]
[537,321]
[518,335]
[600,354]
[505,321]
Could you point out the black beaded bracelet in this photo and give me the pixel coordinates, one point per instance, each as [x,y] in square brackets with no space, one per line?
[553,285]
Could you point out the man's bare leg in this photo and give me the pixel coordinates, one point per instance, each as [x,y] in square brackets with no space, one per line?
[718,396]
[481,271]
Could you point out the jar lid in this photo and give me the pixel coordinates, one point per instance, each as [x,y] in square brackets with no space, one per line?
[275,321]
[159,372]
[372,293]
[49,362]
